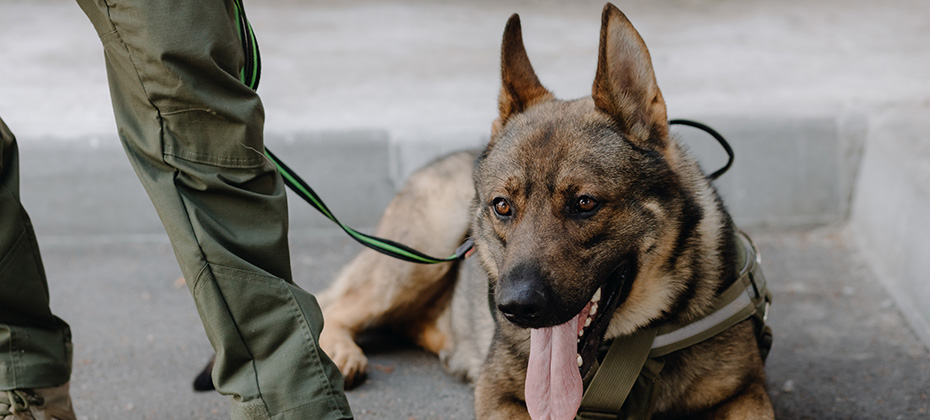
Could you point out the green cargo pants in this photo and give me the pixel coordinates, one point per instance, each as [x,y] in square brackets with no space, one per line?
[193,133]
[35,346]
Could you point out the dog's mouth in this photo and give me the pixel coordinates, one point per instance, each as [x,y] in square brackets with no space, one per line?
[597,315]
[561,355]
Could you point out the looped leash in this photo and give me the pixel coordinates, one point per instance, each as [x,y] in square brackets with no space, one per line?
[716,136]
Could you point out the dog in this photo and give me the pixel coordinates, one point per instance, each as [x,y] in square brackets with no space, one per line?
[589,223]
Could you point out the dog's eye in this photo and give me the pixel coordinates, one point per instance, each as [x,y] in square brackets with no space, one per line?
[585,204]
[502,207]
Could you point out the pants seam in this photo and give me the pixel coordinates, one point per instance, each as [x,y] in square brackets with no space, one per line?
[132,61]
[16,360]
[14,247]
[308,336]
[207,270]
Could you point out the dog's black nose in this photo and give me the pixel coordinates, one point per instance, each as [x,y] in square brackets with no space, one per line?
[523,307]
[522,297]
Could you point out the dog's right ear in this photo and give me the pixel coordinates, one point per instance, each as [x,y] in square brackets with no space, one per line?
[520,88]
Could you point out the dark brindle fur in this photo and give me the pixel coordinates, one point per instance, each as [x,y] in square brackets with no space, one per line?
[564,194]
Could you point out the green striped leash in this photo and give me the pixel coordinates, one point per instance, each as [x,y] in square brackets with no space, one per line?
[250,75]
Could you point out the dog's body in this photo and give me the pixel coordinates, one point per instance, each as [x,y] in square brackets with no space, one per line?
[572,205]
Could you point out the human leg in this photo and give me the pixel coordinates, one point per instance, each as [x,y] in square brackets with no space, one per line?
[35,345]
[193,133]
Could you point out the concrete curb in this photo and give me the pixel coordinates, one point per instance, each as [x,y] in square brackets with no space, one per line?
[890,213]
[788,173]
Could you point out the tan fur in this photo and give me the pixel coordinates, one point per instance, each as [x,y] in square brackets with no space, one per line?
[656,212]
[374,290]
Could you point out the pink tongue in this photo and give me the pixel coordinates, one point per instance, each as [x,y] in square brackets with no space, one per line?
[553,383]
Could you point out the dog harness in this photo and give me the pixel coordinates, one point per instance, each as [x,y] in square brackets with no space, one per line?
[621,385]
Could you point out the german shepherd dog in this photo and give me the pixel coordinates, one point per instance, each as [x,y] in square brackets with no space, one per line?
[589,221]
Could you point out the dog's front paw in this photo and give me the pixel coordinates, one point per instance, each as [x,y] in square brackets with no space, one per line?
[348,356]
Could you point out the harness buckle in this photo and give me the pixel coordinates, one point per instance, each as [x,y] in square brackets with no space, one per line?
[595,415]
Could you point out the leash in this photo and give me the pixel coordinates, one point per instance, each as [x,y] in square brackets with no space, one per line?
[384,246]
[716,136]
[250,75]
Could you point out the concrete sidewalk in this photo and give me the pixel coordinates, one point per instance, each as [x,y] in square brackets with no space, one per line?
[795,86]
[425,68]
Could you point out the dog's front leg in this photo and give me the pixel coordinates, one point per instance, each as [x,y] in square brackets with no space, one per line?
[499,389]
[494,403]
[752,404]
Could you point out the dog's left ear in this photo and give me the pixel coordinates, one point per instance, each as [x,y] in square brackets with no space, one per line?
[625,84]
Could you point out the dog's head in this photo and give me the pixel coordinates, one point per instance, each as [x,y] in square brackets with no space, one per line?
[581,204]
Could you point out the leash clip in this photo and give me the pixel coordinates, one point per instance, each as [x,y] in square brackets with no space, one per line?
[466,249]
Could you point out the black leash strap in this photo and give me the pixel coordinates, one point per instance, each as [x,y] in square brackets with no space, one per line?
[716,136]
